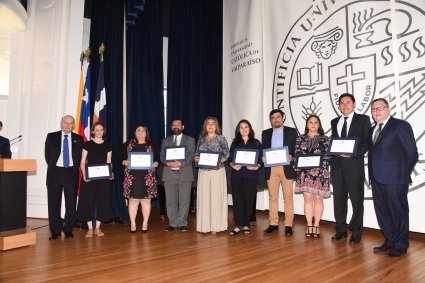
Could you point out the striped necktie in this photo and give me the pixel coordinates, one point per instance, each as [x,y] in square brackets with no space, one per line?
[378,131]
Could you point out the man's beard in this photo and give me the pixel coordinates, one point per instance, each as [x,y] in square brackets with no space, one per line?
[176,131]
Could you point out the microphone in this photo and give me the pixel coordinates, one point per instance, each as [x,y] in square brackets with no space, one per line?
[15,141]
[18,137]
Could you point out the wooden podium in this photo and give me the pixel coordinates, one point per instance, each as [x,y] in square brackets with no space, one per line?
[13,203]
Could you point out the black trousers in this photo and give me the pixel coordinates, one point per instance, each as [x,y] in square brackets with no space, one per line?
[348,183]
[244,192]
[66,180]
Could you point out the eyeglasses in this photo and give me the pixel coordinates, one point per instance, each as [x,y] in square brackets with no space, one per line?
[379,108]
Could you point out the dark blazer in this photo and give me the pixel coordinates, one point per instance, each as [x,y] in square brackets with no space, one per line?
[5,148]
[394,155]
[289,137]
[52,151]
[359,127]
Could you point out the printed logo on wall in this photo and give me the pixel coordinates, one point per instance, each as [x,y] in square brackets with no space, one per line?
[336,48]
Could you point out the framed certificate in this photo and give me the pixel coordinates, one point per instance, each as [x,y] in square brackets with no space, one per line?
[140,160]
[175,153]
[209,159]
[308,161]
[276,156]
[245,157]
[98,171]
[348,146]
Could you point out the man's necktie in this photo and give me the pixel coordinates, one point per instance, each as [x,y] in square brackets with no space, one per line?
[175,140]
[378,131]
[65,151]
[344,128]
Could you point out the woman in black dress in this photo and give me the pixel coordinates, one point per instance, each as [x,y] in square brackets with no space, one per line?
[95,195]
[140,186]
[244,179]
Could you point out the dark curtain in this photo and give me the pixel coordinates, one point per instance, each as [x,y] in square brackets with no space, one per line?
[195,62]
[107,25]
[145,82]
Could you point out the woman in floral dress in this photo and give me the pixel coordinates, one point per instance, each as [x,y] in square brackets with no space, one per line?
[313,183]
[140,186]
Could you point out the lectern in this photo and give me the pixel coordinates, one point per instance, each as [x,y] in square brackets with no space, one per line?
[13,203]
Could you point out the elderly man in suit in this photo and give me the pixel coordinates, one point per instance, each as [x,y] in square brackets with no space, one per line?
[4,146]
[63,155]
[177,177]
[392,157]
[348,172]
[277,136]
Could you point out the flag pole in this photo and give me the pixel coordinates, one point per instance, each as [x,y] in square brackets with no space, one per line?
[101,51]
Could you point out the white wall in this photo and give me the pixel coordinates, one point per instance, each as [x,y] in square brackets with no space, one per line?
[44,80]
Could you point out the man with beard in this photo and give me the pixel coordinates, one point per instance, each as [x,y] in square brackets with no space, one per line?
[178,177]
[279,136]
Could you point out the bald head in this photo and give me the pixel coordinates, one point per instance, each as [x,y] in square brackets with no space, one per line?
[67,124]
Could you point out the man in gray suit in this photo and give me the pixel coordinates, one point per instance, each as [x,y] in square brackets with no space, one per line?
[178,177]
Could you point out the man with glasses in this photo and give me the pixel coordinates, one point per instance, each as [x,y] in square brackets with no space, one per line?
[392,157]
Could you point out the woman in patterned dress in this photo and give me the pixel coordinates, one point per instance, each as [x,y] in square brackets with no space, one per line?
[313,183]
[211,214]
[140,186]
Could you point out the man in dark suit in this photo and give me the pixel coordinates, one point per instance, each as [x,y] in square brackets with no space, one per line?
[392,157]
[4,146]
[178,177]
[277,136]
[63,155]
[347,172]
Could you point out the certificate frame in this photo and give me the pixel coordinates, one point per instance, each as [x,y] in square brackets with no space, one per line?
[267,150]
[216,166]
[175,147]
[352,153]
[255,163]
[101,177]
[135,167]
[297,159]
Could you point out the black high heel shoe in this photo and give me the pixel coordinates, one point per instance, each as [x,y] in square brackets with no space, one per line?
[309,232]
[133,231]
[316,233]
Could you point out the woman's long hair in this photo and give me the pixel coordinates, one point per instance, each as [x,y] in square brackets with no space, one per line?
[320,131]
[238,136]
[204,131]
[148,138]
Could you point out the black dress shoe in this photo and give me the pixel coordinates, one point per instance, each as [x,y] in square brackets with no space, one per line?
[271,229]
[288,231]
[170,229]
[183,228]
[69,235]
[354,240]
[54,236]
[382,248]
[338,236]
[395,253]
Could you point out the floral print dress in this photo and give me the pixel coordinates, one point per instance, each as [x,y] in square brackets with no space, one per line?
[139,184]
[315,180]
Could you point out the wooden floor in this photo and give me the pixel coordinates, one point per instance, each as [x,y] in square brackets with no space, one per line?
[159,256]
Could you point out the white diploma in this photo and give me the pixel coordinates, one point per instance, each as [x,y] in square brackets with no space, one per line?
[175,153]
[248,158]
[309,161]
[98,172]
[278,156]
[140,160]
[343,146]
[208,159]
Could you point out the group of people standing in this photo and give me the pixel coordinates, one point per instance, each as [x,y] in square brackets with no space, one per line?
[392,156]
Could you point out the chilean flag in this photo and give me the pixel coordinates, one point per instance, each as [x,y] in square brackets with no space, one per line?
[99,114]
